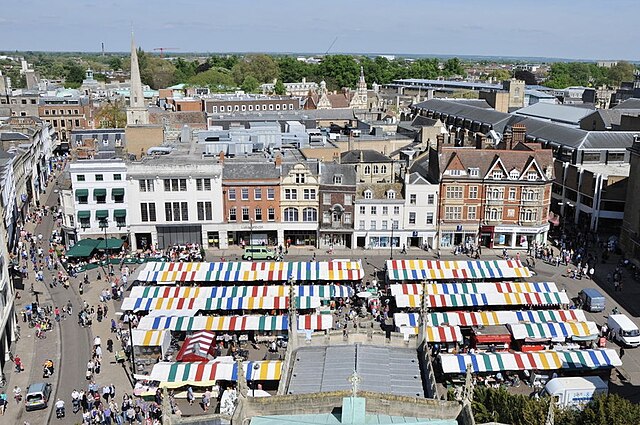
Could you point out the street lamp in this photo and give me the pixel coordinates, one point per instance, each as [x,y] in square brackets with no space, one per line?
[250,232]
[391,242]
[104,223]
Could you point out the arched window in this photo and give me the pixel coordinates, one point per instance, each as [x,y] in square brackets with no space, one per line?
[309,214]
[290,214]
[383,169]
[367,170]
[376,169]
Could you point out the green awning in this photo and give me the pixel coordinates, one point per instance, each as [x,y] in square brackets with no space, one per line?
[84,214]
[82,248]
[82,193]
[99,192]
[112,243]
[118,191]
[100,214]
[119,213]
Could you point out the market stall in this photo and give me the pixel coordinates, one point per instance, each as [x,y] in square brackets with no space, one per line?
[484,299]
[402,270]
[199,347]
[471,288]
[319,291]
[233,323]
[150,343]
[558,332]
[486,318]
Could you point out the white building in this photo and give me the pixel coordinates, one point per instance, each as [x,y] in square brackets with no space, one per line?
[420,210]
[379,216]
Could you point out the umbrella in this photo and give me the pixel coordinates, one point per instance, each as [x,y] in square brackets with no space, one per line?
[364,294]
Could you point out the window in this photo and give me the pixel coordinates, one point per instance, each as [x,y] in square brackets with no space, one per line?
[391,194]
[346,218]
[591,157]
[337,179]
[530,194]
[175,185]
[514,174]
[376,169]
[205,211]
[326,199]
[271,193]
[496,193]
[395,224]
[118,195]
[372,225]
[309,214]
[453,213]
[203,184]
[497,174]
[412,217]
[363,209]
[290,214]
[454,192]
[233,214]
[368,194]
[184,209]
[472,212]
[244,194]
[326,217]
[291,194]
[257,194]
[412,199]
[148,211]
[385,225]
[429,218]
[258,214]
[383,169]
[309,194]
[300,178]
[396,210]
[494,214]
[511,212]
[615,157]
[146,185]
[455,172]
[348,199]
[85,222]
[474,172]
[374,210]
[532,175]
[367,170]
[473,192]
[245,213]
[117,177]
[385,210]
[271,214]
[512,193]
[231,194]
[83,197]
[80,177]
[361,225]
[529,215]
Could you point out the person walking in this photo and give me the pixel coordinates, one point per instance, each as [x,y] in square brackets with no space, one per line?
[621,352]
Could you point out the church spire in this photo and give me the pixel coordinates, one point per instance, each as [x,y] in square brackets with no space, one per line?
[137,112]
[362,84]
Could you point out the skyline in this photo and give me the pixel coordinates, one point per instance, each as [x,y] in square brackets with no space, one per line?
[498,28]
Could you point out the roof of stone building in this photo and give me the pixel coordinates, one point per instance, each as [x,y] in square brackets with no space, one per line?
[562,113]
[611,117]
[363,155]
[379,191]
[245,170]
[632,103]
[331,169]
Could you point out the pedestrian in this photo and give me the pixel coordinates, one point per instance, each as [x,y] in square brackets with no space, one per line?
[3,403]
[17,394]
[190,396]
[621,352]
[18,363]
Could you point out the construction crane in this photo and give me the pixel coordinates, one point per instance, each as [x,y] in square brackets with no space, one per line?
[162,49]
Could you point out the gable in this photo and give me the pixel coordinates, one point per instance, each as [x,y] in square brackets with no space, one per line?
[531,167]
[497,165]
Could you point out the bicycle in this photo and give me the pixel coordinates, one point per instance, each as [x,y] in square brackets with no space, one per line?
[17,333]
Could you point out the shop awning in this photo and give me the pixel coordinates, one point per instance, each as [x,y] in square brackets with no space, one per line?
[489,318]
[82,249]
[552,330]
[315,322]
[444,270]
[99,192]
[252,271]
[119,213]
[84,214]
[217,323]
[117,191]
[178,374]
[318,291]
[198,347]
[443,334]
[100,214]
[80,193]
[145,338]
[539,360]
[481,299]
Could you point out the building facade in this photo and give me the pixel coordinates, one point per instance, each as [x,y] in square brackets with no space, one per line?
[66,113]
[379,213]
[299,189]
[630,232]
[227,103]
[336,196]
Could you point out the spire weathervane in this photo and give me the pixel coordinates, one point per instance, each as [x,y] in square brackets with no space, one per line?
[355,380]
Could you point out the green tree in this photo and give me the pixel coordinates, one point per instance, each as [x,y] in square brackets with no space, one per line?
[279,88]
[112,115]
[217,79]
[424,68]
[292,70]
[250,84]
[339,71]
[453,66]
[115,63]
[184,70]
[500,74]
[261,67]
[622,71]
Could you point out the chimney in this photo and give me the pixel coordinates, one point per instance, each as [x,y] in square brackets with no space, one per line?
[221,157]
[278,161]
[507,139]
[440,140]
[519,133]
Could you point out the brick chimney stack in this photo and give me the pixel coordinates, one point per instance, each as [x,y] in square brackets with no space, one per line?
[519,133]
[278,162]
[507,139]
[221,157]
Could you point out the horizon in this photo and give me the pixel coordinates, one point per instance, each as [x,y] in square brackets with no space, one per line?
[548,29]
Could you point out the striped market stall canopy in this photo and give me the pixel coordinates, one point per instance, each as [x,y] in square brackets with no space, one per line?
[490,318]
[235,323]
[312,322]
[144,338]
[553,330]
[177,374]
[406,319]
[472,288]
[481,299]
[445,270]
[436,334]
[239,303]
[197,347]
[319,291]
[540,360]
[249,271]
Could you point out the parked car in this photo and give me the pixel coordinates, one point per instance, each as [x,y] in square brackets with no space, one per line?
[37,396]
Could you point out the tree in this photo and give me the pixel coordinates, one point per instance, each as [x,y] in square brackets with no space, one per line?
[500,74]
[250,84]
[279,88]
[291,69]
[115,63]
[453,66]
[184,70]
[339,71]
[261,67]
[217,79]
[526,76]
[622,71]
[73,74]
[112,115]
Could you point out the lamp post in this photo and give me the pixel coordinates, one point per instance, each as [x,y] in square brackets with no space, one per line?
[105,223]
[391,242]
[250,232]
[133,357]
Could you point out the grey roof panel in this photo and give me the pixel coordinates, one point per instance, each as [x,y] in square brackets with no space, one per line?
[561,113]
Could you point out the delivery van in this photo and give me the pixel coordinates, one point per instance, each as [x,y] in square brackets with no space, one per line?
[623,330]
[591,300]
[575,391]
[258,253]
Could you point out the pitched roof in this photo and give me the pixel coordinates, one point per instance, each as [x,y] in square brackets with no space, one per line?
[249,171]
[330,169]
[488,116]
[364,155]
[632,103]
[611,117]
[559,113]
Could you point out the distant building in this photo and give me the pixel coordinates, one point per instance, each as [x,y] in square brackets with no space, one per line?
[630,232]
[347,98]
[66,111]
[234,103]
[298,89]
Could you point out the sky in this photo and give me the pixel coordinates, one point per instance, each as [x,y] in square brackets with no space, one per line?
[573,29]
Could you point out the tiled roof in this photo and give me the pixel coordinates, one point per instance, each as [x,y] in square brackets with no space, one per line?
[249,171]
[364,155]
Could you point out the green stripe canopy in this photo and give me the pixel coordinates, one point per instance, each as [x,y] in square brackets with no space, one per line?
[118,191]
[99,192]
[102,214]
[82,192]
[120,213]
[84,214]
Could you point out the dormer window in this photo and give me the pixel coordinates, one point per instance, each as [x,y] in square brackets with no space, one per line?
[368,194]
[455,172]
[391,194]
[514,174]
[497,175]
[532,175]
[474,172]
[337,179]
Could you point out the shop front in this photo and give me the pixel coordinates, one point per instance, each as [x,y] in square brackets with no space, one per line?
[517,237]
[300,237]
[451,236]
[335,239]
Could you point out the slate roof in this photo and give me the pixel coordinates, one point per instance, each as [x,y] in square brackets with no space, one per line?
[368,155]
[559,113]
[12,136]
[489,116]
[632,103]
[379,191]
[249,171]
[611,117]
[330,169]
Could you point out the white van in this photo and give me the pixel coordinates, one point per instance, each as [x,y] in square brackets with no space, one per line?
[624,330]
[575,391]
